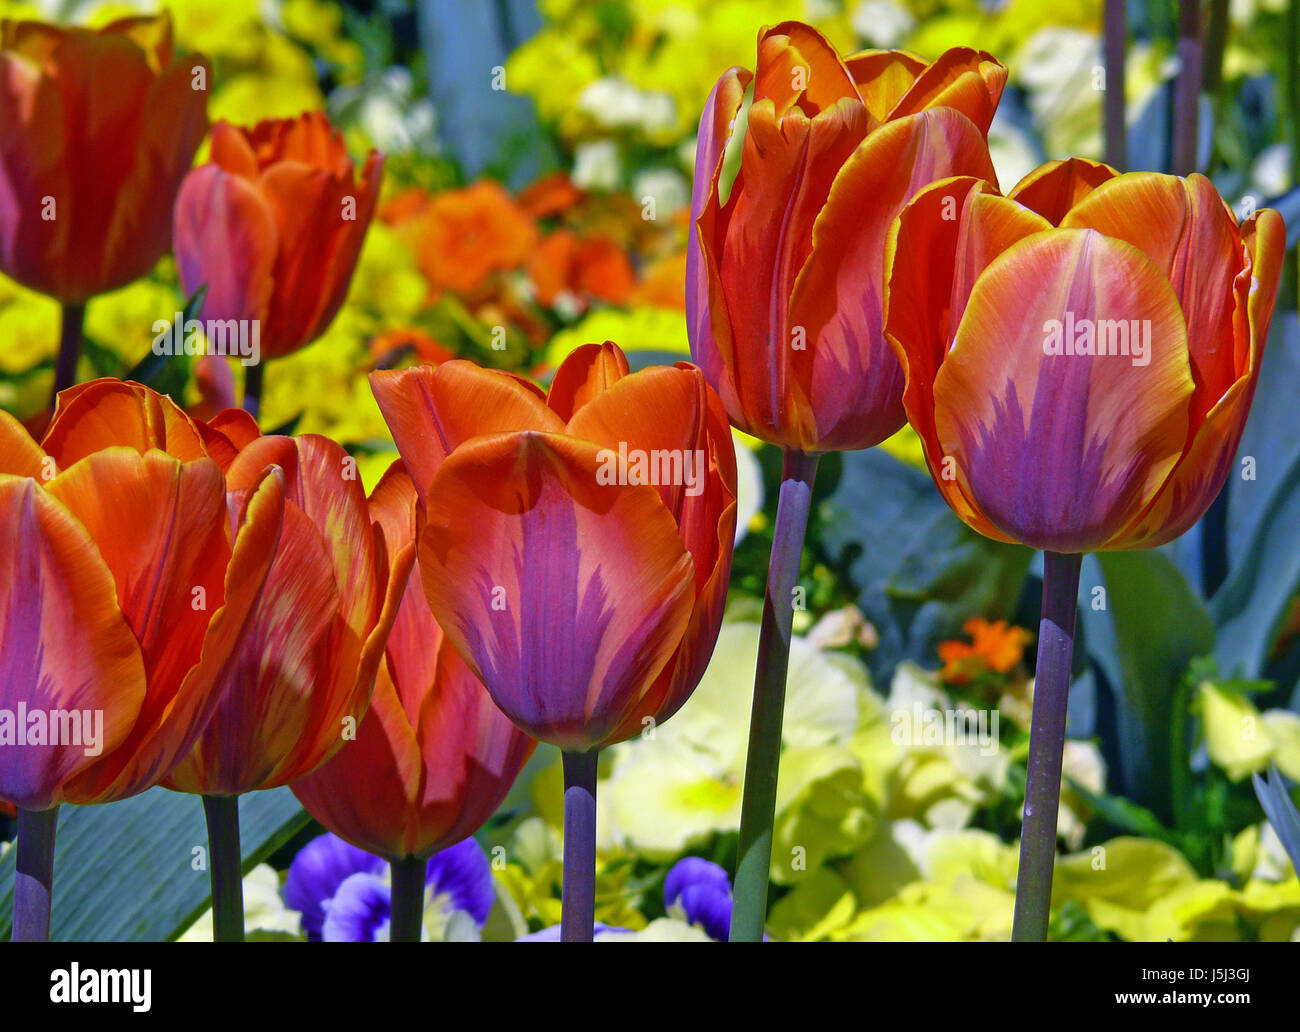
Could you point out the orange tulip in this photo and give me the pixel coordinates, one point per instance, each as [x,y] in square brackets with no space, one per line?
[576,544]
[1081,354]
[434,757]
[127,583]
[785,279]
[97,128]
[300,681]
[273,227]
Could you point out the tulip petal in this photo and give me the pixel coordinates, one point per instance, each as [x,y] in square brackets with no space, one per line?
[173,719]
[431,410]
[585,373]
[168,579]
[1184,227]
[1060,450]
[786,171]
[1054,188]
[1198,478]
[846,363]
[104,413]
[64,646]
[797,66]
[219,215]
[20,455]
[920,267]
[270,690]
[658,424]
[716,126]
[566,596]
[883,78]
[966,80]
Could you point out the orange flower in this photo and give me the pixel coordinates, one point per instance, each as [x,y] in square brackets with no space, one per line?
[550,195]
[585,590]
[131,583]
[386,346]
[594,267]
[466,235]
[273,226]
[785,273]
[994,647]
[301,679]
[97,128]
[663,284]
[1081,354]
[434,757]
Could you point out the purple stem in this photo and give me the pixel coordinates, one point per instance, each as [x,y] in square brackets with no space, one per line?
[578,910]
[34,874]
[1046,746]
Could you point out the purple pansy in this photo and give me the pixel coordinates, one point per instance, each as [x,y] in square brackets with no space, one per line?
[699,892]
[343,892]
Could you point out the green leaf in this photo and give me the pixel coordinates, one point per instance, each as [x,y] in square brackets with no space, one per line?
[1255,598]
[1153,626]
[123,872]
[1280,810]
[1125,815]
[152,368]
[919,571]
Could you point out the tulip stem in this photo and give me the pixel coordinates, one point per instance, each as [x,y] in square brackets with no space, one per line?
[253,390]
[1046,746]
[578,912]
[65,365]
[758,808]
[34,874]
[406,914]
[1115,41]
[224,867]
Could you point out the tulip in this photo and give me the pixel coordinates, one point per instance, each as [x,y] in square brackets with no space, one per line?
[792,201]
[576,549]
[1080,359]
[300,681]
[433,758]
[97,128]
[114,638]
[272,226]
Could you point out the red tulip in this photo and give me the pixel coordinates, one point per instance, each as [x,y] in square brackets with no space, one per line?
[434,757]
[97,128]
[1080,355]
[785,278]
[273,227]
[587,602]
[127,585]
[301,679]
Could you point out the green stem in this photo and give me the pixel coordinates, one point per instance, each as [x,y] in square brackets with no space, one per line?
[578,910]
[762,764]
[34,874]
[225,867]
[70,333]
[406,913]
[1046,746]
